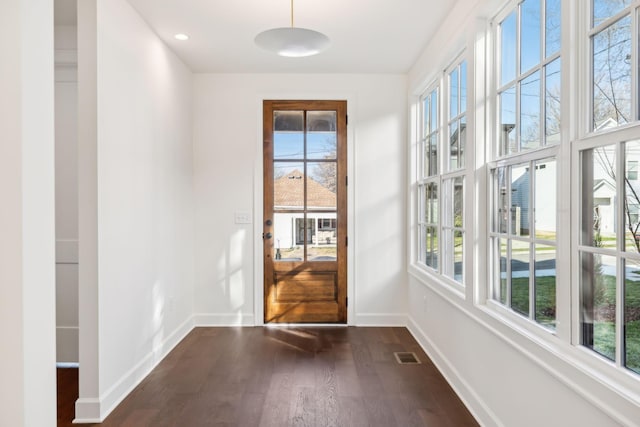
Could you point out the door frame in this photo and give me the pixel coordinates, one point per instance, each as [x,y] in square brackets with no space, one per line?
[258,216]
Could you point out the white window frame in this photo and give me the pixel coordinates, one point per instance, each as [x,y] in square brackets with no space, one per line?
[558,152]
[587,138]
[424,181]
[586,63]
[575,133]
[442,178]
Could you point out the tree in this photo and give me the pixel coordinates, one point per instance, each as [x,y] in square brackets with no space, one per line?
[325,173]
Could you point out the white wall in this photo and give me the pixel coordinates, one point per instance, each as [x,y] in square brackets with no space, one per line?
[27,230]
[228,179]
[142,200]
[506,374]
[66,124]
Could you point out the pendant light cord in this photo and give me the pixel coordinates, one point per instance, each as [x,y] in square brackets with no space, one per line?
[291,13]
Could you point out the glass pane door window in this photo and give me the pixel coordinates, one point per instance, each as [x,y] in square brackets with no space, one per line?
[305,184]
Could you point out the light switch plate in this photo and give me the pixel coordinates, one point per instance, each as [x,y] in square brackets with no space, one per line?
[242,217]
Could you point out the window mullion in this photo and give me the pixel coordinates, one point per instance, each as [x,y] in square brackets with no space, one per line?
[532,246]
[620,230]
[509,237]
[634,60]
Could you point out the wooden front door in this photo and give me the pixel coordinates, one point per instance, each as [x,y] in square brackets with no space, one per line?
[305,211]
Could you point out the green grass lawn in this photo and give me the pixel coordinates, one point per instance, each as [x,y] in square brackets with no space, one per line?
[604,340]
[633,345]
[545,294]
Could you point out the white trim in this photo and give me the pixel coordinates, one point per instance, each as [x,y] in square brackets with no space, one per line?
[380,320]
[67,251]
[66,65]
[471,399]
[67,338]
[66,58]
[87,411]
[93,410]
[223,319]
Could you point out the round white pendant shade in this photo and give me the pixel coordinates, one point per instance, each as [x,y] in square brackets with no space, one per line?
[292,41]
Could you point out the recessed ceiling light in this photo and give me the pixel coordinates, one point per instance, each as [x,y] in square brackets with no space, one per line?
[181,37]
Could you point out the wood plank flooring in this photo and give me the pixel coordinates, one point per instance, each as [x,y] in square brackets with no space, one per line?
[292,377]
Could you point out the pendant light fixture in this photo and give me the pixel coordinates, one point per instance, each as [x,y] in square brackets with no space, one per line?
[291,41]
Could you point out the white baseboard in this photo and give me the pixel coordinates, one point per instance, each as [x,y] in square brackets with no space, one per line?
[472,400]
[226,319]
[87,411]
[95,411]
[381,320]
[67,344]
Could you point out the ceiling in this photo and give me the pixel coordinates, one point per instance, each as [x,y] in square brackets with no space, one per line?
[368,36]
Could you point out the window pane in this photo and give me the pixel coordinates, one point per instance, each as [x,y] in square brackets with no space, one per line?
[462,142]
[632,170]
[508,121]
[599,197]
[431,213]
[603,9]
[434,110]
[458,251]
[552,102]
[323,238]
[454,146]
[545,285]
[508,49]
[458,202]
[463,87]
[520,274]
[433,155]
[322,141]
[432,247]
[322,145]
[545,200]
[598,311]
[426,114]
[431,204]
[501,214]
[321,121]
[500,250]
[288,236]
[612,75]
[288,121]
[552,27]
[530,112]
[321,185]
[529,35]
[453,93]
[632,315]
[288,185]
[288,135]
[632,197]
[520,190]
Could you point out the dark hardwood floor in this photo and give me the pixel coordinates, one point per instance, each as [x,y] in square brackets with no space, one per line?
[67,379]
[289,377]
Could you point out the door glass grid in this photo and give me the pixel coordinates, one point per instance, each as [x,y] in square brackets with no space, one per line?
[305,186]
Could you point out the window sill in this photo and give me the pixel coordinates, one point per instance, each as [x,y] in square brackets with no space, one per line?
[437,282]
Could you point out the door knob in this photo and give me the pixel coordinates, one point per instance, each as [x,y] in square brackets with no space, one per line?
[268,235]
